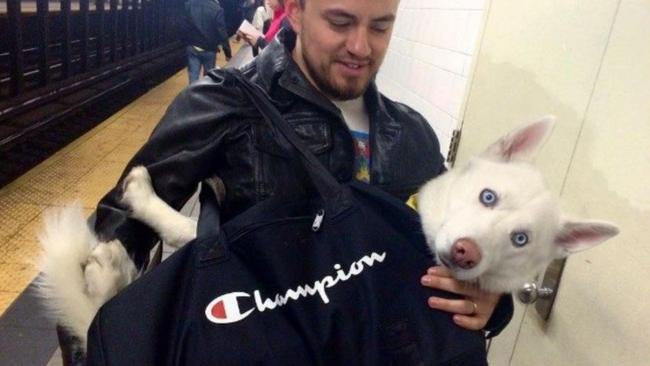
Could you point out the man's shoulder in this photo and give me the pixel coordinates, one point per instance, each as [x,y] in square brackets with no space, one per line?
[414,125]
[218,93]
[403,112]
[213,103]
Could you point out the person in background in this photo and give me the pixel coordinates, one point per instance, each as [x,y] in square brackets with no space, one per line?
[248,8]
[227,51]
[279,16]
[232,14]
[203,29]
[263,17]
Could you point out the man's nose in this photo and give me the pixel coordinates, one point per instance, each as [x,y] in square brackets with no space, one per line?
[358,43]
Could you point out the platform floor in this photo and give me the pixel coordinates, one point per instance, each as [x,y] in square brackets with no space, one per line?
[83,171]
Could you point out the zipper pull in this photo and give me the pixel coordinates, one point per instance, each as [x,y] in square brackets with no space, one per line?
[318,220]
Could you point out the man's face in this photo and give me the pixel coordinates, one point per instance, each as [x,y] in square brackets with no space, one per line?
[341,43]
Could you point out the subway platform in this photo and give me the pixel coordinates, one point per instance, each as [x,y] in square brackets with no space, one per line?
[83,171]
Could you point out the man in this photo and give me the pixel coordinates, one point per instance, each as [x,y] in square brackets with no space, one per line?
[203,29]
[320,75]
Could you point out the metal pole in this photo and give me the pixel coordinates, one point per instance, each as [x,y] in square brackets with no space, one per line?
[42,10]
[15,47]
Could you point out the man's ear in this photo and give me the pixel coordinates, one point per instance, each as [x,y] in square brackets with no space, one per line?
[294,13]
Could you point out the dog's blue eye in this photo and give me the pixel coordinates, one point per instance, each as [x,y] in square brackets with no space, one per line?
[519,239]
[488,197]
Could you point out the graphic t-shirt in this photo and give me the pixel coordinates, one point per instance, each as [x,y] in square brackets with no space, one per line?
[356,117]
[361,156]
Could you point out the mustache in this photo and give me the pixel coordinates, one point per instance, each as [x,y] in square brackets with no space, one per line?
[355,62]
[347,59]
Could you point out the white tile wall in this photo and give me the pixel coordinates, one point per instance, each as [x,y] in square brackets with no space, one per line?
[428,63]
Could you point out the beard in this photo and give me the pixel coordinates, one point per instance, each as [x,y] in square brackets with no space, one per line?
[324,81]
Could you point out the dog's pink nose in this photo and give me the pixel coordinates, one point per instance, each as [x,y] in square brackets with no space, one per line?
[465,253]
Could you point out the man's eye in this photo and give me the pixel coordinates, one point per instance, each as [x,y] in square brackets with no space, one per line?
[339,23]
[381,28]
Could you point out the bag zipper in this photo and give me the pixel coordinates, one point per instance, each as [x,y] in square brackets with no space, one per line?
[315,226]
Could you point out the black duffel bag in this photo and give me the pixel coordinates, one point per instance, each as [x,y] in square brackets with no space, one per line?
[328,280]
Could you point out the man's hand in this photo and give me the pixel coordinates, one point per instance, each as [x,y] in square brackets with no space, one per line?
[472,312]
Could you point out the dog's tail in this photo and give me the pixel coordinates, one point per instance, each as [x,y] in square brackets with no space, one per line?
[67,242]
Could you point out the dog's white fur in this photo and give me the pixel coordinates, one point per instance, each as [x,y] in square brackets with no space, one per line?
[451,210]
[81,273]
[173,228]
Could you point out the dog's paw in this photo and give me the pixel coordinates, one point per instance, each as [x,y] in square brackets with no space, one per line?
[137,189]
[108,270]
[218,188]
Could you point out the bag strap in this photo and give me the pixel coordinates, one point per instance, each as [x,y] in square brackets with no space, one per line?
[328,187]
[209,220]
[209,226]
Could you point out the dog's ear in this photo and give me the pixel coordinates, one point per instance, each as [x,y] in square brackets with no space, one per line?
[575,236]
[521,144]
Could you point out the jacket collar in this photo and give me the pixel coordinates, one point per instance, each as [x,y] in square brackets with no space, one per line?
[385,135]
[281,77]
[375,105]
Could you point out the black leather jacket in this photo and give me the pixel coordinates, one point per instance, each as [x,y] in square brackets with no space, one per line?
[211,128]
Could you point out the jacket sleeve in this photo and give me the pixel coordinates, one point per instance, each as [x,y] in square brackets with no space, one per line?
[180,153]
[500,317]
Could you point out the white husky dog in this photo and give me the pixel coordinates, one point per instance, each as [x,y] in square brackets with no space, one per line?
[492,222]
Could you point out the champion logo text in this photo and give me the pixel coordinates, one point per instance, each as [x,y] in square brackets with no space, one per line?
[225,308]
